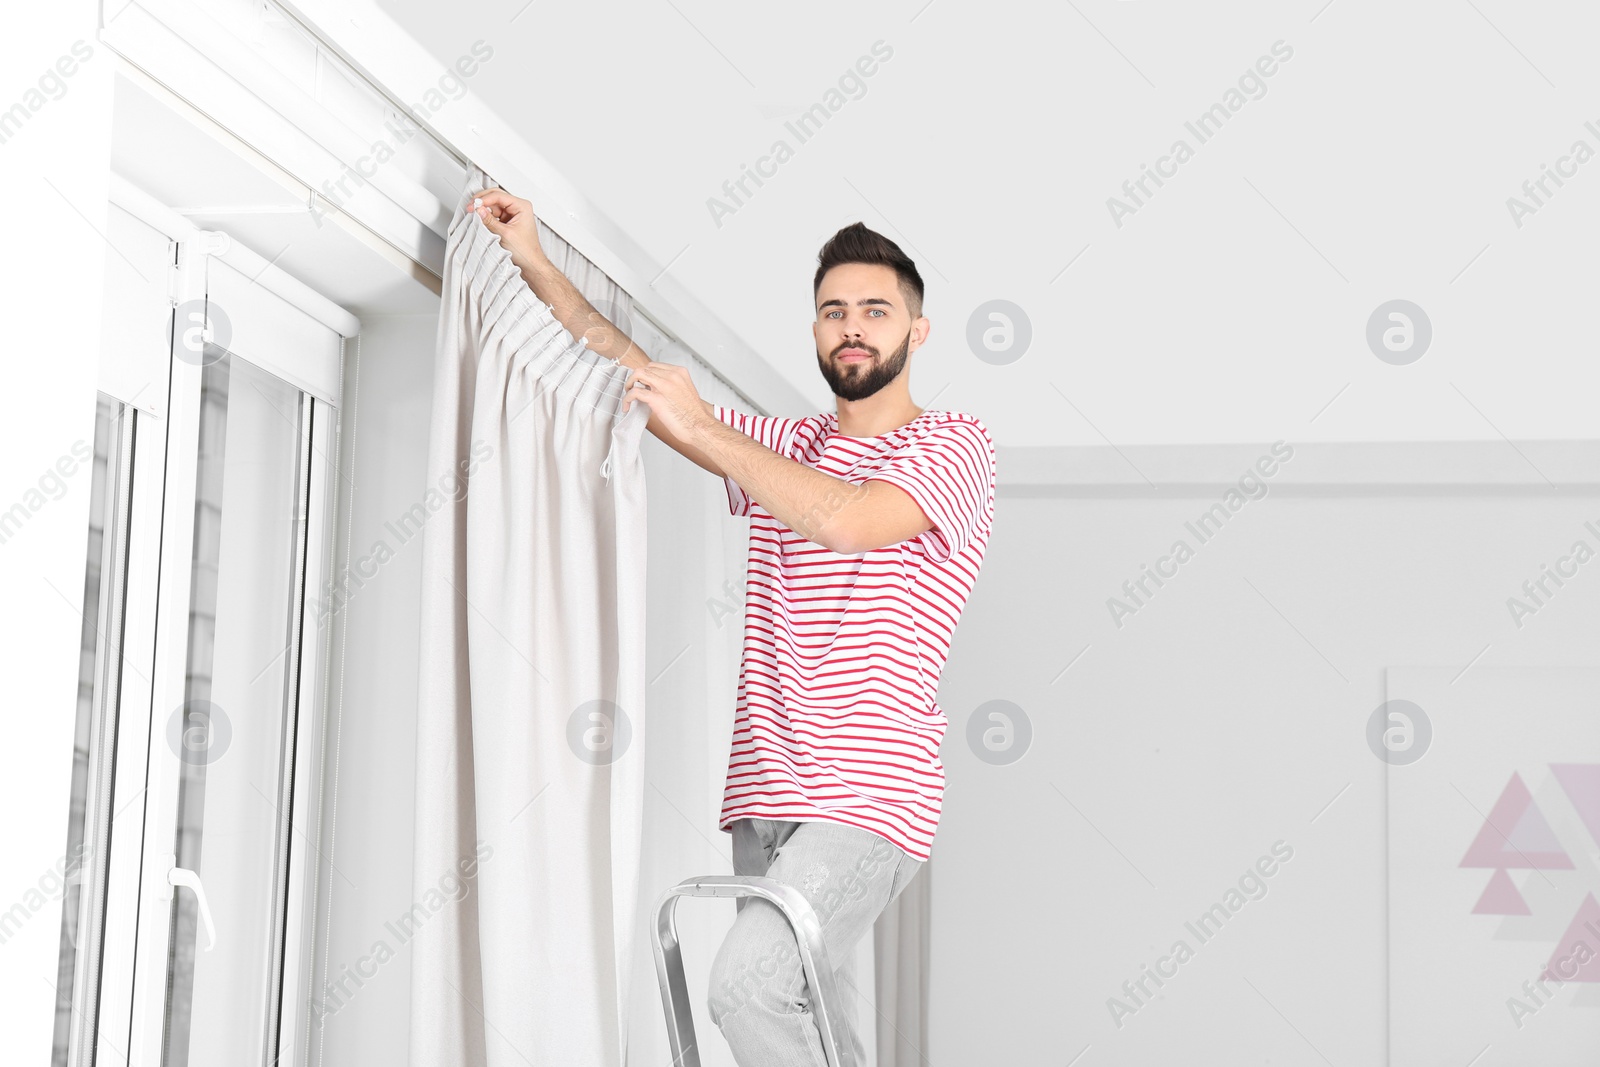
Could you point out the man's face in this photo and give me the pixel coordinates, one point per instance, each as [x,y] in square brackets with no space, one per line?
[864,331]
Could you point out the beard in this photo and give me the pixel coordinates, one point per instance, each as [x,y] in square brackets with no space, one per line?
[857,381]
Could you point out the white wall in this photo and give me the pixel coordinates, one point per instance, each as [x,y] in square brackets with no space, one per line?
[1187,742]
[1375,162]
[53,212]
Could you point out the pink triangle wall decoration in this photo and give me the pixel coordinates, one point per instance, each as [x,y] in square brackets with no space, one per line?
[1516,834]
[1577,955]
[1501,897]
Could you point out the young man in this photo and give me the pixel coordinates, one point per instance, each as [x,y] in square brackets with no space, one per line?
[868,527]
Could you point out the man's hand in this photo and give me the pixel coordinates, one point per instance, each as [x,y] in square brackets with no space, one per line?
[675,406]
[669,393]
[511,219]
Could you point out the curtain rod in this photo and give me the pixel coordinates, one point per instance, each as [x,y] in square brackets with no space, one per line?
[355,69]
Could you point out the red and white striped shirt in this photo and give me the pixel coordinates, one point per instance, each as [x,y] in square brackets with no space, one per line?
[837,718]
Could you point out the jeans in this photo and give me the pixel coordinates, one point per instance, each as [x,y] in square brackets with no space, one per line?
[760,999]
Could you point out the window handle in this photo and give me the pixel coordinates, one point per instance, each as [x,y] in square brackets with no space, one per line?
[183,876]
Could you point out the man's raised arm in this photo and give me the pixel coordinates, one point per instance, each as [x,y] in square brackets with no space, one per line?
[512,220]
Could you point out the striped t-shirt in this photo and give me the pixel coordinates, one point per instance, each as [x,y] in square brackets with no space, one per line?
[837,718]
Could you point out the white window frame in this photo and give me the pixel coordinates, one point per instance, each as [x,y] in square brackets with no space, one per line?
[276,335]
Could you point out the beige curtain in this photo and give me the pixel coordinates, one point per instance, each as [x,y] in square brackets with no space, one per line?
[531,717]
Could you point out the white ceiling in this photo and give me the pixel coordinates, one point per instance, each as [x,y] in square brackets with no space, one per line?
[1233,306]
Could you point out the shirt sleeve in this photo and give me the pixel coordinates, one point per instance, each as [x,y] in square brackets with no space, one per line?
[770,430]
[950,472]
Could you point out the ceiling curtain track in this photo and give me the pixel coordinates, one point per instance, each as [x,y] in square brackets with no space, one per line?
[531,718]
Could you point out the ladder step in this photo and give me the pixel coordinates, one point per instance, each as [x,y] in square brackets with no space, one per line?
[808,937]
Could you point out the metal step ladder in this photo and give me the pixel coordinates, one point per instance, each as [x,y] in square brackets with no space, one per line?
[808,937]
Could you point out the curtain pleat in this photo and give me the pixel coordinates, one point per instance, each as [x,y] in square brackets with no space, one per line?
[531,717]
[695,629]
[901,939]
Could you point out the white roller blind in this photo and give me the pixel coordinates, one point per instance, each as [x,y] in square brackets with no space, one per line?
[274,334]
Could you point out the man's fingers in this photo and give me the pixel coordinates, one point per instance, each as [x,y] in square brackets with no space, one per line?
[501,203]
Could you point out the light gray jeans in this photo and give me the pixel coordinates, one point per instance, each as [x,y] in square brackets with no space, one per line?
[760,999]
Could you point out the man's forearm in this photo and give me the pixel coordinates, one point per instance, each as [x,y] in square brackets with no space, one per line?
[580,318]
[809,502]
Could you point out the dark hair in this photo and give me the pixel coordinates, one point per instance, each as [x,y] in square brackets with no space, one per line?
[857,244]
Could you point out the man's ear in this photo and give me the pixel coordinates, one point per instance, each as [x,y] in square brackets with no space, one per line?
[919,333]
